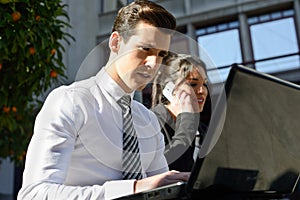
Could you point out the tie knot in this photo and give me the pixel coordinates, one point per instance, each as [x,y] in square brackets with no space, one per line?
[124,101]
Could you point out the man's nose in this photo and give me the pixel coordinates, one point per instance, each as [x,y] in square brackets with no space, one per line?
[152,61]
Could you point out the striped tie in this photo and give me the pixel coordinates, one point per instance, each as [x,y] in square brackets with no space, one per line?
[131,164]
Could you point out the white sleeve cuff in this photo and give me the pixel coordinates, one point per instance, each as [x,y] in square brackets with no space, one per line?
[115,189]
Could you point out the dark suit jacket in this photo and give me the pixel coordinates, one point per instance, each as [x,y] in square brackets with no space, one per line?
[179,137]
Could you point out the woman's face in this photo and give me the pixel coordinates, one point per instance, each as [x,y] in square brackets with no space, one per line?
[198,81]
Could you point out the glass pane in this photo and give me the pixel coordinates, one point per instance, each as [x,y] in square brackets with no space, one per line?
[252,20]
[223,47]
[222,27]
[201,31]
[277,65]
[211,29]
[288,13]
[218,75]
[274,38]
[233,24]
[276,15]
[264,17]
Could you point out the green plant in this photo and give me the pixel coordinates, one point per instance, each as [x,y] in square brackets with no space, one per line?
[32,33]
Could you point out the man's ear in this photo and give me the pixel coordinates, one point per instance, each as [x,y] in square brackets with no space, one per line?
[114,41]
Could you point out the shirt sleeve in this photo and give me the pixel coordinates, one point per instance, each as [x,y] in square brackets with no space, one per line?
[49,154]
[185,132]
[46,190]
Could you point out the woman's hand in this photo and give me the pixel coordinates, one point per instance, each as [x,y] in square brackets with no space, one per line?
[185,100]
[160,180]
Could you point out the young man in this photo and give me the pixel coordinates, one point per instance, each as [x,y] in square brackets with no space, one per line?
[77,147]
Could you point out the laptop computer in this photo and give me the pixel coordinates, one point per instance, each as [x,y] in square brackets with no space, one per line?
[252,149]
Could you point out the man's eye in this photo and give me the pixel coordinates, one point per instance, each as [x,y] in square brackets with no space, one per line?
[162,54]
[145,48]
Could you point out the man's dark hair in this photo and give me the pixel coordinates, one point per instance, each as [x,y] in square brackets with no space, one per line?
[142,11]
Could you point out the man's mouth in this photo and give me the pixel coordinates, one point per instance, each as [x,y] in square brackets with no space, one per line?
[145,75]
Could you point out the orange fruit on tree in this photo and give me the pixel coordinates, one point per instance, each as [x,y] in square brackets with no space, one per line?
[16,15]
[6,109]
[14,109]
[31,50]
[1,66]
[37,18]
[53,52]
[53,74]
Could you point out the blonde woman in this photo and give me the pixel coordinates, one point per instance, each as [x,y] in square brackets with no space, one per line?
[180,118]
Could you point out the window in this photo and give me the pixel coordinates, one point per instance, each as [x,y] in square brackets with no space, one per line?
[222,44]
[274,42]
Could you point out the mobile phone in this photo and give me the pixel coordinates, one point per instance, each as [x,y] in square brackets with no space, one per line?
[168,91]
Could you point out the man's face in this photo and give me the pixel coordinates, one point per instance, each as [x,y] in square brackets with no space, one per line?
[139,58]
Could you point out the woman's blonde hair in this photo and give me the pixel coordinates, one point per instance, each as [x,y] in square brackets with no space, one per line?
[175,68]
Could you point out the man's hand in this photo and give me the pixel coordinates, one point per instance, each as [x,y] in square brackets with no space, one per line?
[160,180]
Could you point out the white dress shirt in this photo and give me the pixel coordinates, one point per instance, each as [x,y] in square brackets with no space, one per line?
[76,148]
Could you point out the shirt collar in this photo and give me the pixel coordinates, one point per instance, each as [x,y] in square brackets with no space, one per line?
[105,82]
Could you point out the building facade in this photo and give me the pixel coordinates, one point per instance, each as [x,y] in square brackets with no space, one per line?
[262,34]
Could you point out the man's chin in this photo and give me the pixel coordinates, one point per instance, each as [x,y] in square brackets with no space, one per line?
[141,87]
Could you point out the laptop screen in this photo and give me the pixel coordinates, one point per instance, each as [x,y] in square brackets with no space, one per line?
[259,145]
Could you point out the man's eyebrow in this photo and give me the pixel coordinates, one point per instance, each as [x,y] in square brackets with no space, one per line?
[146,44]
[151,46]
